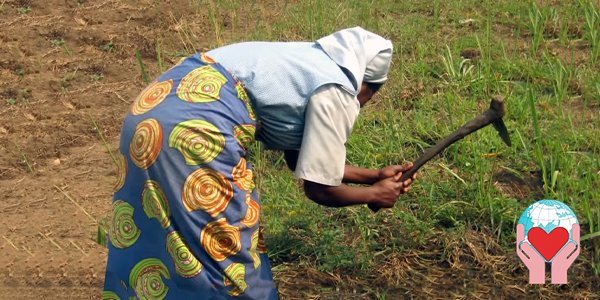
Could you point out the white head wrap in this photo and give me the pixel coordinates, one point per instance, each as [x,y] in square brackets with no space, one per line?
[365,55]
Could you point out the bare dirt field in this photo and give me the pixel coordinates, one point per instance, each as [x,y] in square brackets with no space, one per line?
[67,73]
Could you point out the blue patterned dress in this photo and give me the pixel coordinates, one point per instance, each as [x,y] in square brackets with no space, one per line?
[185,220]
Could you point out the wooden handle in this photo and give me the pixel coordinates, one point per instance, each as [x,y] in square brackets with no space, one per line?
[495,112]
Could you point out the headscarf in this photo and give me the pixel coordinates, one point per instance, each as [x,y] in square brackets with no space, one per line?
[366,56]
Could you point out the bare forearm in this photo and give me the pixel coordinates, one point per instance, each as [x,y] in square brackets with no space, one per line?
[339,196]
[359,175]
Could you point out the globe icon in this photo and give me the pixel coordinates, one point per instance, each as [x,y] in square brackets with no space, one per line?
[548,215]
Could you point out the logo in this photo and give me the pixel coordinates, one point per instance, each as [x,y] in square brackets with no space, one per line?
[548,232]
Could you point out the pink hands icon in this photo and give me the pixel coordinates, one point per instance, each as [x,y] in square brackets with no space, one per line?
[565,257]
[531,258]
[560,262]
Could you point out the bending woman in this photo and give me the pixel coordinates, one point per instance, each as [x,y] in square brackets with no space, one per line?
[185,221]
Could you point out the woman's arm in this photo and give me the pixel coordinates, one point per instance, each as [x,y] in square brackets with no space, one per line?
[382,194]
[359,175]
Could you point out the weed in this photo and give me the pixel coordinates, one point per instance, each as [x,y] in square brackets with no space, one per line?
[537,22]
[159,59]
[138,56]
[66,80]
[24,94]
[560,77]
[61,43]
[102,233]
[458,74]
[104,142]
[537,135]
[592,24]
[19,71]
[23,10]
[487,52]
[11,101]
[97,76]
[315,18]
[107,47]
[25,159]
[57,42]
[213,16]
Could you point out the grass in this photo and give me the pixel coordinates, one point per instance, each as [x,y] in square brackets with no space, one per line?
[19,71]
[23,10]
[561,76]
[103,140]
[459,75]
[159,60]
[592,26]
[108,46]
[61,43]
[67,79]
[24,158]
[138,57]
[537,138]
[431,92]
[96,76]
[388,134]
[537,21]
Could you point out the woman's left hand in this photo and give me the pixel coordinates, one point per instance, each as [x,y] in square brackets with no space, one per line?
[394,171]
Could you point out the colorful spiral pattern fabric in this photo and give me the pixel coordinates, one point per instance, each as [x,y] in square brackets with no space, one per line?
[121,162]
[242,176]
[252,213]
[155,203]
[244,134]
[201,85]
[123,232]
[146,278]
[185,220]
[207,190]
[107,295]
[262,246]
[151,96]
[253,249]
[186,264]
[206,59]
[198,141]
[220,240]
[242,95]
[235,275]
[146,143]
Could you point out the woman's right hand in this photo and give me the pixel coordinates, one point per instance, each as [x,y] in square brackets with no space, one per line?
[387,191]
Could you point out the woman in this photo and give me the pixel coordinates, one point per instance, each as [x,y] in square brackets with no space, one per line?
[185,212]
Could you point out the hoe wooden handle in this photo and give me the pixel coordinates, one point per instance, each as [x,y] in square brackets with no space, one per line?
[491,116]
